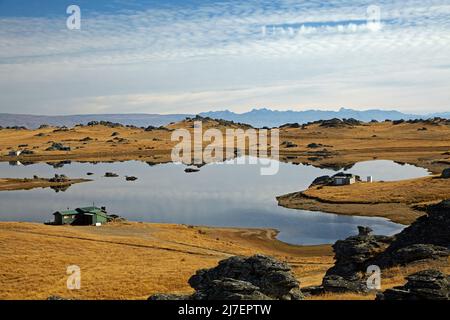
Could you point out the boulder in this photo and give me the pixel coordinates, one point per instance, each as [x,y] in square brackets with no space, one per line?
[272,277]
[314,145]
[353,255]
[418,252]
[424,285]
[230,289]
[446,174]
[289,144]
[171,297]
[257,277]
[56,146]
[426,238]
[321,181]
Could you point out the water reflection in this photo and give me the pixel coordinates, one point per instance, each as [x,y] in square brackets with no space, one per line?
[217,195]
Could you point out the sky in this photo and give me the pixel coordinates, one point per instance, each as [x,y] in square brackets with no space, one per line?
[191,56]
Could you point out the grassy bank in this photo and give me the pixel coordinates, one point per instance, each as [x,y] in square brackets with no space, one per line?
[398,201]
[133,260]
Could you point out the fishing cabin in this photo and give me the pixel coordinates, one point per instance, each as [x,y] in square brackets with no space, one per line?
[342,179]
[88,216]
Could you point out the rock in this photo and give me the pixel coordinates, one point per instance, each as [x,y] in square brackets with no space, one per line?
[57,298]
[314,145]
[56,146]
[338,123]
[289,144]
[257,277]
[431,231]
[273,278]
[353,256]
[446,174]
[230,289]
[364,231]
[417,252]
[313,290]
[321,181]
[191,170]
[290,125]
[127,178]
[171,297]
[424,285]
[59,178]
[111,175]
[340,284]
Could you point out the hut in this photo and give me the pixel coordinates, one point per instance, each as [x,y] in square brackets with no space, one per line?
[81,216]
[341,179]
[15,153]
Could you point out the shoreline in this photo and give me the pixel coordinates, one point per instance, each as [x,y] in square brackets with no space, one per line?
[132,260]
[389,211]
[16,184]
[399,201]
[325,147]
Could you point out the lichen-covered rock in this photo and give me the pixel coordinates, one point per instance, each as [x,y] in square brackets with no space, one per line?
[230,289]
[418,252]
[273,278]
[353,255]
[431,232]
[257,277]
[446,173]
[170,297]
[424,285]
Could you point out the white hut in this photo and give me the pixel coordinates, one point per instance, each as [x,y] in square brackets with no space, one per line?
[15,153]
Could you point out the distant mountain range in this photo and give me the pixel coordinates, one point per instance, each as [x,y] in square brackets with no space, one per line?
[273,118]
[139,120]
[256,117]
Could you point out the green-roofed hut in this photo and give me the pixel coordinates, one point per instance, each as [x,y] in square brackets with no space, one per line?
[81,216]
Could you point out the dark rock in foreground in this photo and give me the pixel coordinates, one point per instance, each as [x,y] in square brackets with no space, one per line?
[353,256]
[171,297]
[423,285]
[240,278]
[426,238]
[446,174]
[230,289]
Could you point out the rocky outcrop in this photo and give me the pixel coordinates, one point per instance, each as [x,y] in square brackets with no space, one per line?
[321,181]
[446,173]
[353,256]
[426,238]
[289,144]
[56,146]
[338,123]
[424,285]
[418,252]
[171,297]
[257,277]
[230,289]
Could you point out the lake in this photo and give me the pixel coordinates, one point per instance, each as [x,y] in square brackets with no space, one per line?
[226,195]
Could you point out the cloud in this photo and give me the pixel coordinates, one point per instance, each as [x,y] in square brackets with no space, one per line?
[191,56]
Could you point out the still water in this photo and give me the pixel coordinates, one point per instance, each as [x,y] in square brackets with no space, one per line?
[228,195]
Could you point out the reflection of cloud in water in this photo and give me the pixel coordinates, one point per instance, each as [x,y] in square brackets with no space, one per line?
[218,195]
